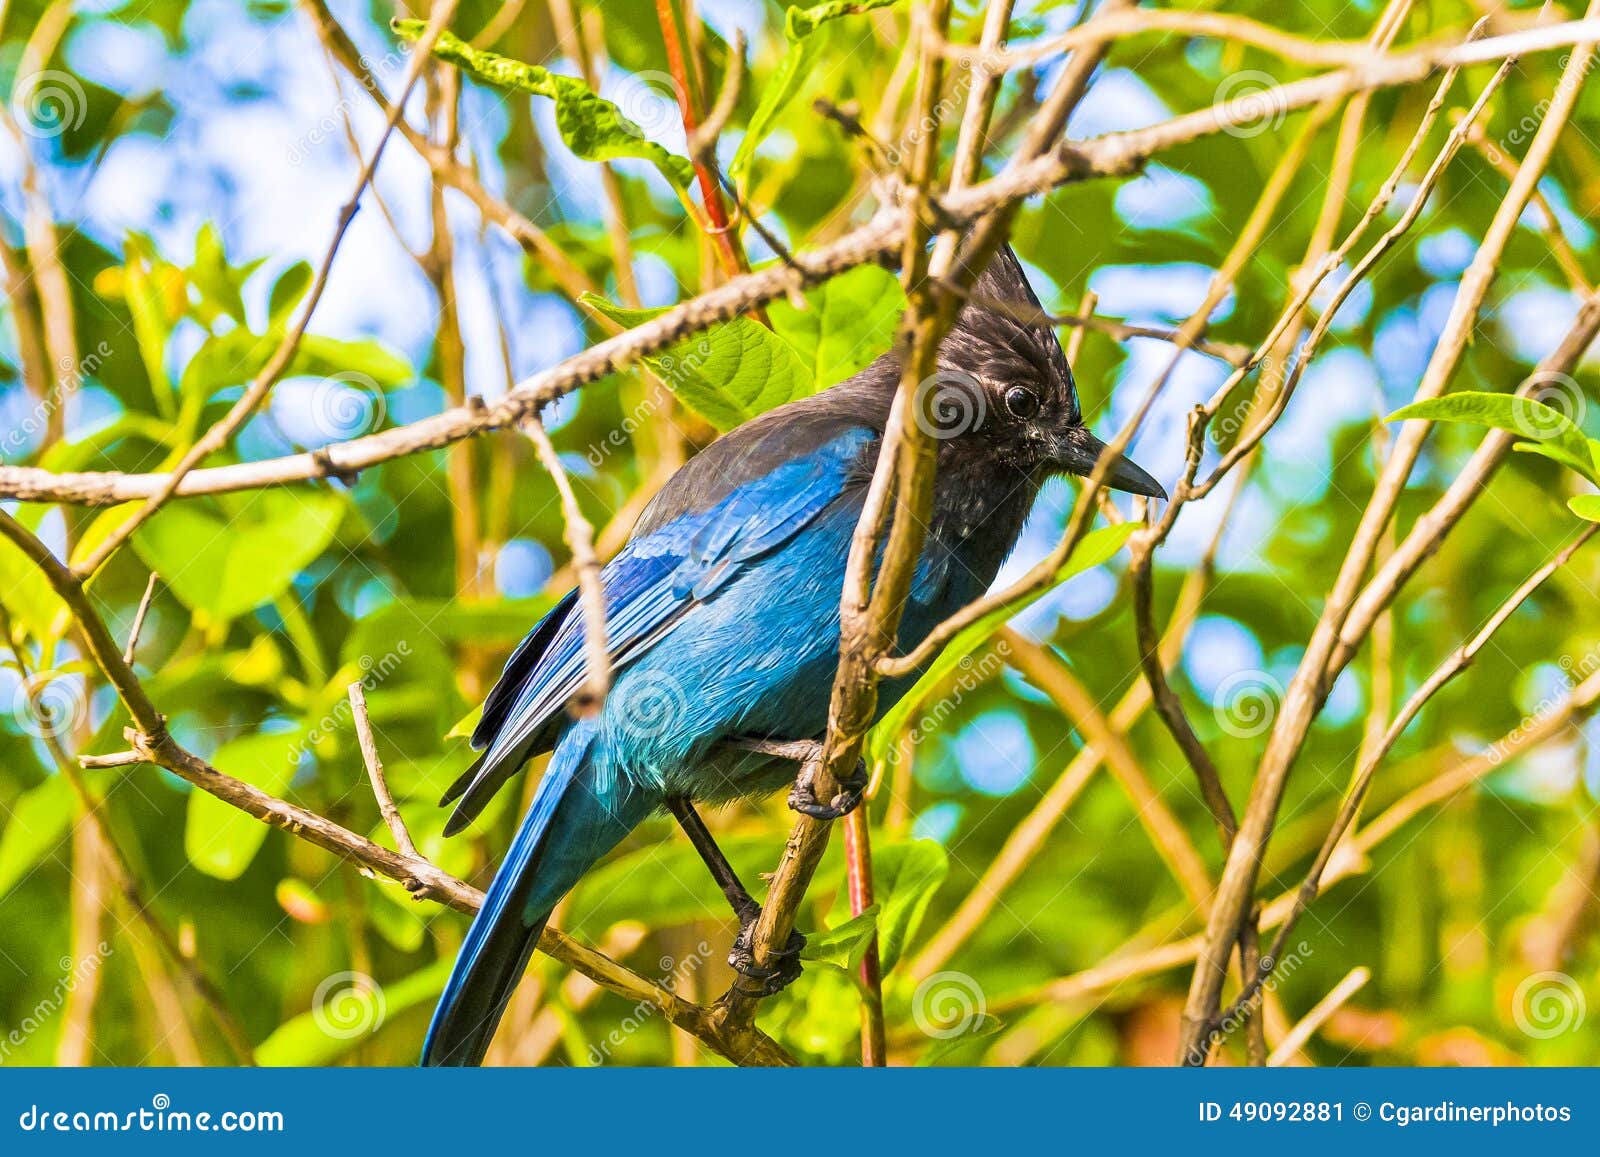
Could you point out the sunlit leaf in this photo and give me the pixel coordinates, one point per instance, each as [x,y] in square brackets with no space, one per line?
[851,320]
[799,61]
[728,374]
[220,839]
[226,566]
[1553,432]
[845,946]
[217,283]
[906,875]
[38,822]
[1586,506]
[593,127]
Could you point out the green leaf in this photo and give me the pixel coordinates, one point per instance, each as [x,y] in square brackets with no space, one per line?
[845,946]
[346,1012]
[906,875]
[945,1047]
[464,727]
[218,838]
[31,600]
[233,358]
[218,284]
[142,289]
[1585,506]
[592,126]
[1552,432]
[39,821]
[728,374]
[1096,547]
[287,292]
[851,321]
[227,566]
[799,62]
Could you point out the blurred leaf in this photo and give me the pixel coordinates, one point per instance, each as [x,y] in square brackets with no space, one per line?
[217,283]
[287,292]
[348,1016]
[592,126]
[218,838]
[728,374]
[1095,548]
[233,358]
[141,288]
[31,601]
[300,902]
[799,62]
[906,875]
[1586,506]
[39,821]
[845,946]
[851,321]
[466,725]
[1552,431]
[945,1046]
[227,566]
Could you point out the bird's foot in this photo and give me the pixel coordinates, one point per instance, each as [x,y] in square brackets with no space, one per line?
[803,796]
[758,980]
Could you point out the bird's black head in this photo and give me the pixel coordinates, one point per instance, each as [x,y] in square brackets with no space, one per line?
[1005,394]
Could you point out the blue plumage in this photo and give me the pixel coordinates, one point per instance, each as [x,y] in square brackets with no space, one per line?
[723,623]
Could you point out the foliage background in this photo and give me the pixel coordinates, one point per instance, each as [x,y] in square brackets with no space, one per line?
[207,166]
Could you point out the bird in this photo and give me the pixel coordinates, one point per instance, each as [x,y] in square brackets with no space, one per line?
[722,627]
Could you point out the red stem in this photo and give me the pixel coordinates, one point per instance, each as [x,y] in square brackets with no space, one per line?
[858,861]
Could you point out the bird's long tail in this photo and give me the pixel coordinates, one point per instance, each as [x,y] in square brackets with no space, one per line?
[572,823]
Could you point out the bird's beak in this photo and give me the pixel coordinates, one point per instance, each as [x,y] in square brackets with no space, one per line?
[1077,451]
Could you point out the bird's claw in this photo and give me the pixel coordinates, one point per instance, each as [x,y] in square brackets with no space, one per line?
[758,980]
[803,796]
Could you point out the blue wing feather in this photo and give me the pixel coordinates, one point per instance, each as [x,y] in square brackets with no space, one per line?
[649,587]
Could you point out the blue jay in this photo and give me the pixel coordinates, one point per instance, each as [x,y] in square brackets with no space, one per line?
[722,619]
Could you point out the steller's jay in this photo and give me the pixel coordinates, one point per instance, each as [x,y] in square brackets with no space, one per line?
[723,627]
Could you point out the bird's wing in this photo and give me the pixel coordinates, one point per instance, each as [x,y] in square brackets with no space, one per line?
[649,587]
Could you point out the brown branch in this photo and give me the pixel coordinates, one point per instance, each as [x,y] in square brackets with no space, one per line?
[138,619]
[256,392]
[1171,841]
[380,786]
[878,240]
[1141,961]
[150,740]
[1295,1039]
[579,536]
[1307,690]
[1457,662]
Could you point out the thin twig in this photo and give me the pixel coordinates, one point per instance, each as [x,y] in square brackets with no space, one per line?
[380,785]
[1302,1032]
[138,619]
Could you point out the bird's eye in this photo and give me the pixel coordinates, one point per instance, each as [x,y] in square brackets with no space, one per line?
[1021,402]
